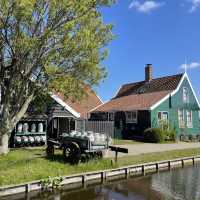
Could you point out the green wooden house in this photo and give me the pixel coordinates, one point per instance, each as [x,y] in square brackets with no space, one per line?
[151,102]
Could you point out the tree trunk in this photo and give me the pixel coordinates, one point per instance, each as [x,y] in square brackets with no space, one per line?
[5,127]
[7,124]
[4,143]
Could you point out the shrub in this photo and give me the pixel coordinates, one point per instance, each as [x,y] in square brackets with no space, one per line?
[154,135]
[168,131]
[170,135]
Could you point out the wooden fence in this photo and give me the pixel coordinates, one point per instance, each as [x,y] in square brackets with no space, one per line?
[106,127]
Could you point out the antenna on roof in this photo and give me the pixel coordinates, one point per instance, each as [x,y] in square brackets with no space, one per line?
[185,65]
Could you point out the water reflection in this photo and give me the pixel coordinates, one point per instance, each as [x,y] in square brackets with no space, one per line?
[179,184]
[183,184]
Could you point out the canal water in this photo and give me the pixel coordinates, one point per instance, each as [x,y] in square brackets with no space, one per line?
[177,184]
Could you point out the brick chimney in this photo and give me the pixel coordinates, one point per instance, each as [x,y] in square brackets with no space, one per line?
[148,72]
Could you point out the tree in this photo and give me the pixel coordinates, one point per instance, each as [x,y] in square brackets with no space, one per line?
[48,45]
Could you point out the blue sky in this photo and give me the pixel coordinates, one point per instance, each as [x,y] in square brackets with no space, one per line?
[161,32]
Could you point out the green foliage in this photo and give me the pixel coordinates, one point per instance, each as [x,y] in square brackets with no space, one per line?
[41,102]
[164,125]
[168,131]
[155,135]
[53,182]
[170,135]
[55,45]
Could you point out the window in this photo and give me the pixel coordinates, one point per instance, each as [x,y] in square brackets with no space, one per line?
[131,117]
[185,95]
[111,116]
[189,118]
[181,118]
[163,117]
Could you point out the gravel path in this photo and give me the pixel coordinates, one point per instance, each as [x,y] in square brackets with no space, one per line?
[136,149]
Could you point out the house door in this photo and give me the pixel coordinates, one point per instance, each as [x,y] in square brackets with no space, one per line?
[63,126]
[120,124]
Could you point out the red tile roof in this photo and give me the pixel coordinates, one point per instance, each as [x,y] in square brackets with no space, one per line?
[155,85]
[132,102]
[89,102]
[141,95]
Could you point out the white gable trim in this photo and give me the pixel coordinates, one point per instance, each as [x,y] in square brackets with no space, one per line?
[175,91]
[66,106]
[99,98]
[160,101]
[118,91]
[179,85]
[193,90]
[98,106]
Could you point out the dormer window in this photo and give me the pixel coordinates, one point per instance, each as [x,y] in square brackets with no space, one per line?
[185,95]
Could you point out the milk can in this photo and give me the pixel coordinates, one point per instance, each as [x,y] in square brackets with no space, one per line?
[40,128]
[25,127]
[19,128]
[33,128]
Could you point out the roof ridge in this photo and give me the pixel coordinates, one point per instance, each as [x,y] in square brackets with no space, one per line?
[154,79]
[137,94]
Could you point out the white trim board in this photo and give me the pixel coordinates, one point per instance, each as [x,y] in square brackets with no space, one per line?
[160,101]
[118,91]
[193,90]
[175,91]
[66,106]
[99,98]
[93,109]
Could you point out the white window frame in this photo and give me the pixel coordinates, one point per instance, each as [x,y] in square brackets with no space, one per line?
[189,123]
[186,98]
[162,113]
[131,119]
[181,123]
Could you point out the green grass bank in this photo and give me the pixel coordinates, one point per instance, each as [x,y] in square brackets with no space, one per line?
[24,165]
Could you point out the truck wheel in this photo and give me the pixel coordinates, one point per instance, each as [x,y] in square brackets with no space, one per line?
[72,153]
[100,154]
[50,150]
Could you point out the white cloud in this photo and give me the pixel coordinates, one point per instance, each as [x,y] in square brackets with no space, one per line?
[146,6]
[195,5]
[192,65]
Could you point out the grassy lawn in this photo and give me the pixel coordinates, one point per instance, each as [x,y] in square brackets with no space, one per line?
[123,142]
[27,165]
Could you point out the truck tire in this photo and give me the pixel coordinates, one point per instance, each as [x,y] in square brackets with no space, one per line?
[72,153]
